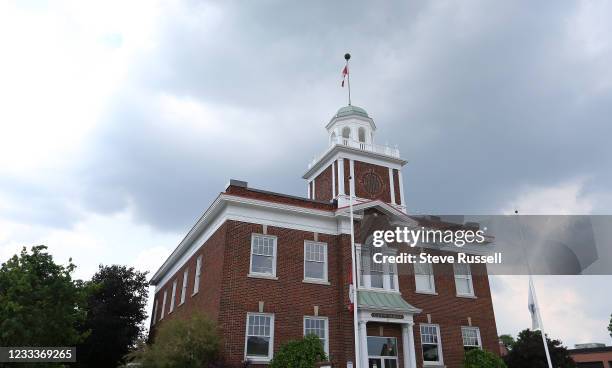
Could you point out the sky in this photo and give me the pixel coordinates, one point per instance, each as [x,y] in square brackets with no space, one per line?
[121,121]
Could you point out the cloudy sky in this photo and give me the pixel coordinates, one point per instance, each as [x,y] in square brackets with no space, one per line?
[121,121]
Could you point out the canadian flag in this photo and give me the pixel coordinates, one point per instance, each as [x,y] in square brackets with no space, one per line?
[344,74]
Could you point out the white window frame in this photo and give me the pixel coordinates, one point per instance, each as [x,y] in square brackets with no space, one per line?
[198,273]
[184,286]
[440,361]
[432,279]
[467,277]
[164,304]
[463,328]
[173,300]
[259,359]
[325,279]
[154,316]
[326,324]
[365,279]
[272,274]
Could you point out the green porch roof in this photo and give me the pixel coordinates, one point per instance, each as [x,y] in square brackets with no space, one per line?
[384,301]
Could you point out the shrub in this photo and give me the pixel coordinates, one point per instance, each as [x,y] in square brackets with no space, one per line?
[180,343]
[482,359]
[302,353]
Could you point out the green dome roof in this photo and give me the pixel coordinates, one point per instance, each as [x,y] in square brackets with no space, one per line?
[351,110]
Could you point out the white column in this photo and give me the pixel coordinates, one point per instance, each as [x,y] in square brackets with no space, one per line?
[401,187]
[313,188]
[333,174]
[391,185]
[363,343]
[309,196]
[408,345]
[352,182]
[340,167]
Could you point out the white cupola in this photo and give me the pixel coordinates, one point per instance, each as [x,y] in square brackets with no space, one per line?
[351,123]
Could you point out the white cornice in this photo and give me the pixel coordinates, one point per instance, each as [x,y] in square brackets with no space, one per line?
[339,149]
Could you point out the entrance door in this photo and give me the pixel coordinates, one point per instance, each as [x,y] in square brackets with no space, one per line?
[382,352]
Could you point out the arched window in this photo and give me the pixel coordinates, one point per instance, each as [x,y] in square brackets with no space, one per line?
[333,138]
[346,132]
[362,134]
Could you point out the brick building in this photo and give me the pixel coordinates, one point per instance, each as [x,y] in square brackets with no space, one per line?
[269,267]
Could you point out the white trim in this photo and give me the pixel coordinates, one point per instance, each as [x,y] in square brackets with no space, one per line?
[254,358]
[326,320]
[325,278]
[333,175]
[352,175]
[314,188]
[440,362]
[272,274]
[154,314]
[340,168]
[401,187]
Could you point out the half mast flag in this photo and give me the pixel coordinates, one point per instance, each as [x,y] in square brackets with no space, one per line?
[344,74]
[532,304]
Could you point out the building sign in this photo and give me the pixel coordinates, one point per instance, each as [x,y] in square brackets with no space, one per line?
[387,315]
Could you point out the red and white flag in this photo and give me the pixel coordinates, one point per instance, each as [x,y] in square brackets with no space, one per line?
[344,74]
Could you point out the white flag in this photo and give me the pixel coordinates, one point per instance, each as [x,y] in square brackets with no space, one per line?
[533,307]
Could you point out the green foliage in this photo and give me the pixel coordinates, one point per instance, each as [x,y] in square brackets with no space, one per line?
[528,351]
[180,343]
[116,306]
[477,358]
[40,304]
[507,340]
[302,353]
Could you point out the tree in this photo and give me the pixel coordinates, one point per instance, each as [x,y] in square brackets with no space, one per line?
[302,353]
[40,304]
[116,307]
[180,343]
[507,340]
[610,326]
[528,351]
[477,358]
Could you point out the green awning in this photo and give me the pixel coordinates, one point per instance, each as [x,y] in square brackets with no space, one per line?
[384,301]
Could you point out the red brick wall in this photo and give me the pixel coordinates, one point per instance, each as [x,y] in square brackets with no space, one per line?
[323,185]
[207,299]
[335,169]
[361,169]
[227,294]
[289,298]
[450,311]
[347,173]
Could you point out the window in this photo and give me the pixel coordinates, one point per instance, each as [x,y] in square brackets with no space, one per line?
[184,287]
[463,279]
[154,311]
[317,326]
[164,304]
[373,275]
[382,352]
[315,261]
[471,338]
[430,342]
[259,336]
[196,280]
[361,133]
[346,132]
[263,255]
[424,278]
[173,296]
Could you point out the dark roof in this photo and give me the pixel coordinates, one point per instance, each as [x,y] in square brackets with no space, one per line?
[603,349]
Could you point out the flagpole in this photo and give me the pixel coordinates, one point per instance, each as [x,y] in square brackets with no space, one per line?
[533,293]
[347,56]
[354,272]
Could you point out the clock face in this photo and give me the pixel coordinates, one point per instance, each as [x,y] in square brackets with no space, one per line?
[372,183]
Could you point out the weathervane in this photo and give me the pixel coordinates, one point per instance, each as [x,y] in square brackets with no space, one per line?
[346,76]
